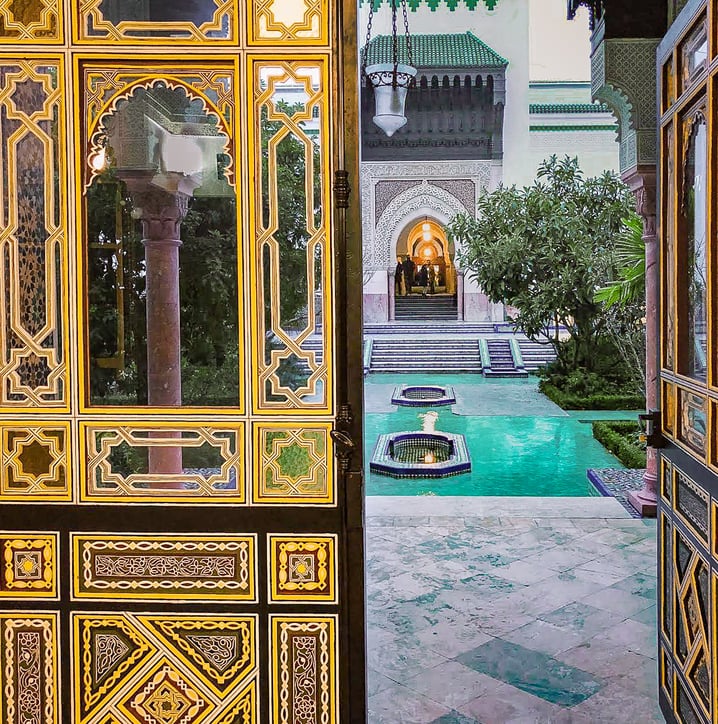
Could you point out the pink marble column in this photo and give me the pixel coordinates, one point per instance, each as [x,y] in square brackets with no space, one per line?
[161,214]
[643,185]
[391,286]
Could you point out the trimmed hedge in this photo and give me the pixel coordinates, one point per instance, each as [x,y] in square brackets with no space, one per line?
[620,438]
[591,402]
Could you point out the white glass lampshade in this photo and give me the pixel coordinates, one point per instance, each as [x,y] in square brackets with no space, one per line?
[390,97]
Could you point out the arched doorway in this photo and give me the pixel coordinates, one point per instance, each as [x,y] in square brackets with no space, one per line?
[431,292]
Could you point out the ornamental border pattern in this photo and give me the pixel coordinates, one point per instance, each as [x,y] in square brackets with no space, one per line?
[377,257]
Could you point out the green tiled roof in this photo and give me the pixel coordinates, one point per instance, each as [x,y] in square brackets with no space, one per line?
[569,108]
[454,50]
[434,4]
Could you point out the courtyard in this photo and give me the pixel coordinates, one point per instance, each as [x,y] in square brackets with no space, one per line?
[498,610]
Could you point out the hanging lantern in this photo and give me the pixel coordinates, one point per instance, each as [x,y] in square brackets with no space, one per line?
[390,81]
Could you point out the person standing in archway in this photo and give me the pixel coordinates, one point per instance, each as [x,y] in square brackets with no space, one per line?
[408,266]
[399,285]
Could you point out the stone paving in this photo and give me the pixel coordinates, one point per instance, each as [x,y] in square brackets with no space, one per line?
[498,611]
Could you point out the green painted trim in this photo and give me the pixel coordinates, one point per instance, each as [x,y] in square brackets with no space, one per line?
[612,127]
[516,354]
[484,354]
[568,108]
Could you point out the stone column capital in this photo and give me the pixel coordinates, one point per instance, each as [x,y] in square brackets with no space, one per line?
[642,182]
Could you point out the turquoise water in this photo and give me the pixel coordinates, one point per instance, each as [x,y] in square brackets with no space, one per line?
[545,454]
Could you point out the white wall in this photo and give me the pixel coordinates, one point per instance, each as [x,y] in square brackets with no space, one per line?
[506,30]
[560,49]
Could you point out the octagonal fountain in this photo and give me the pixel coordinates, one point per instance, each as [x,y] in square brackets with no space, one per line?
[423,396]
[423,454]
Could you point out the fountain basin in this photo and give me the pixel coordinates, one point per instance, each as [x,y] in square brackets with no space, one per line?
[423,396]
[420,455]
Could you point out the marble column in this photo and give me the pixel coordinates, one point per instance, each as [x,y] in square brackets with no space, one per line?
[643,184]
[161,213]
[391,287]
[460,295]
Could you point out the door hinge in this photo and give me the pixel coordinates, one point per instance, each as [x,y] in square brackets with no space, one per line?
[342,189]
[650,423]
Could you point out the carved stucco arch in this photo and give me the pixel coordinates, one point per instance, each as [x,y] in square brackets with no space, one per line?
[410,206]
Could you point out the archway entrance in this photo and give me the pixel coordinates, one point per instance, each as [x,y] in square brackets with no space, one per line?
[425,288]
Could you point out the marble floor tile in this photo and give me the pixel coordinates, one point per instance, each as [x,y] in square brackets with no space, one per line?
[531,671]
[507,618]
[452,684]
[398,704]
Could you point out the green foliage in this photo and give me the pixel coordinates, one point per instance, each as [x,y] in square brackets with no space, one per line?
[622,438]
[545,249]
[630,256]
[596,401]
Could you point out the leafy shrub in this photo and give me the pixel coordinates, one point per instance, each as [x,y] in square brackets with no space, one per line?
[591,402]
[622,438]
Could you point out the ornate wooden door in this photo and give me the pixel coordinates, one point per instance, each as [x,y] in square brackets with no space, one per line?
[180,377]
[688,475]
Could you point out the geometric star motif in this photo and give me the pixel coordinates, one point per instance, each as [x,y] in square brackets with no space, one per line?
[301,568]
[165,697]
[27,565]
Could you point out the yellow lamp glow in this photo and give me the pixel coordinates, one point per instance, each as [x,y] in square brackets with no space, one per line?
[426,236]
[429,457]
[426,226]
[99,160]
[427,252]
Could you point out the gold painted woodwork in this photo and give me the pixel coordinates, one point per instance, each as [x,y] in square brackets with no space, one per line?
[31,21]
[304,651]
[302,568]
[100,483]
[209,567]
[29,565]
[205,666]
[91,26]
[36,463]
[29,676]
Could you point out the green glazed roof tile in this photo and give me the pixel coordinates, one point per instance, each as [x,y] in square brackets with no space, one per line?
[569,108]
[454,50]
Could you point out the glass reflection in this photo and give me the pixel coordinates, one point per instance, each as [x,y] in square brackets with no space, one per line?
[162,257]
[695,228]
[292,252]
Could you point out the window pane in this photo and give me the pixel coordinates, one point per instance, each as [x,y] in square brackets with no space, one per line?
[162,256]
[693,320]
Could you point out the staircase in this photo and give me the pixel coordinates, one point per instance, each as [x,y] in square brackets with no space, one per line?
[430,307]
[425,355]
[501,361]
[446,327]
[536,355]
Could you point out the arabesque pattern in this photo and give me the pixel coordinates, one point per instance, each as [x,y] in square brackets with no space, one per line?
[106,481]
[29,674]
[302,568]
[30,21]
[292,251]
[180,567]
[32,236]
[304,655]
[35,464]
[293,464]
[288,22]
[165,668]
[29,565]
[101,21]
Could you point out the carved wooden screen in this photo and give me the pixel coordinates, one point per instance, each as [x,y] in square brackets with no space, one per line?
[688,475]
[180,504]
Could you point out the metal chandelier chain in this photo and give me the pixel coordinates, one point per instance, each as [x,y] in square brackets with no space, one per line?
[394,34]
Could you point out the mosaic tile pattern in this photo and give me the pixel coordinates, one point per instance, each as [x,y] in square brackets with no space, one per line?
[477,619]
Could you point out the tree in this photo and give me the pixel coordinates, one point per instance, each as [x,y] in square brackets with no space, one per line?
[545,249]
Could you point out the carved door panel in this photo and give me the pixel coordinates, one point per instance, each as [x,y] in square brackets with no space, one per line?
[688,473]
[180,382]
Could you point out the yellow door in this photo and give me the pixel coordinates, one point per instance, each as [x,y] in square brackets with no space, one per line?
[180,370]
[688,506]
